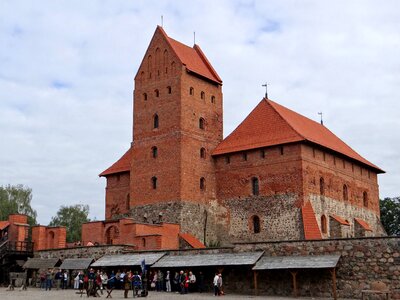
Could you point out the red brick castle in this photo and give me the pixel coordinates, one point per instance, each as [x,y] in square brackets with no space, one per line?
[277,176]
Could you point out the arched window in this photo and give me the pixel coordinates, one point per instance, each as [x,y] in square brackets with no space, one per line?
[169,89]
[323,224]
[213,99]
[127,203]
[154,152]
[202,153]
[155,121]
[322,186]
[255,186]
[202,183]
[345,193]
[202,95]
[365,199]
[144,96]
[201,123]
[256,224]
[154,182]
[191,91]
[157,93]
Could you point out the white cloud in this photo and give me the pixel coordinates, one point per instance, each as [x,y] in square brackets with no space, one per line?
[67,69]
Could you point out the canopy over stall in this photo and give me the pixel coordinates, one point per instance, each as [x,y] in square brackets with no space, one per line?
[76,263]
[42,263]
[127,259]
[295,263]
[203,260]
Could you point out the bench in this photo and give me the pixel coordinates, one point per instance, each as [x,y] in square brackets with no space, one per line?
[378,292]
[376,287]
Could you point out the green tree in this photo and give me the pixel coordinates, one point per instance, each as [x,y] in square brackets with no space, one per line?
[16,199]
[72,217]
[390,215]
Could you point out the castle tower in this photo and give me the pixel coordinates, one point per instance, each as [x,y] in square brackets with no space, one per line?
[177,122]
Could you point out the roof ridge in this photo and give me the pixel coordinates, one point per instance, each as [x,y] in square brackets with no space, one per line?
[167,38]
[206,61]
[269,101]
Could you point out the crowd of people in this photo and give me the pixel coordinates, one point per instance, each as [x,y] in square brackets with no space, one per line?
[94,282]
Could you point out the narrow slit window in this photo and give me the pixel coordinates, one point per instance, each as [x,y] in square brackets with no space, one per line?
[255,186]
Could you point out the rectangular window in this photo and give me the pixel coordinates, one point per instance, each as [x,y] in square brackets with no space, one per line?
[245,156]
[227,159]
[262,153]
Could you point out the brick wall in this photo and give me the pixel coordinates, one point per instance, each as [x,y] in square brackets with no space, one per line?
[45,237]
[117,195]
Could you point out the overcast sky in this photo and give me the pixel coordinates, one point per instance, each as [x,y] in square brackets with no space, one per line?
[67,69]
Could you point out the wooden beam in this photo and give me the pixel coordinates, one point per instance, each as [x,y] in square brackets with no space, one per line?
[294,274]
[333,272]
[255,283]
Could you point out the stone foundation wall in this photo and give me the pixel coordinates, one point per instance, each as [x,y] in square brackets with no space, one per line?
[193,218]
[279,217]
[362,261]
[94,252]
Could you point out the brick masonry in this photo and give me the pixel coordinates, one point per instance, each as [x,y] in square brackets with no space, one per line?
[224,209]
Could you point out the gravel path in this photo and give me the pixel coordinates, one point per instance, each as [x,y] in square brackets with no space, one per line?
[37,294]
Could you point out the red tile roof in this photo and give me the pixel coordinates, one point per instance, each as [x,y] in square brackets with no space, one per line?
[121,165]
[4,224]
[272,124]
[193,58]
[363,224]
[192,241]
[340,220]
[310,225]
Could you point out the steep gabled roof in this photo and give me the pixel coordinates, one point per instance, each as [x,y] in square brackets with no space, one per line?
[121,165]
[271,124]
[310,225]
[193,58]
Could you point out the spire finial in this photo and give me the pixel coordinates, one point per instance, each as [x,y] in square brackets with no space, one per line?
[194,37]
[266,90]
[162,21]
[322,121]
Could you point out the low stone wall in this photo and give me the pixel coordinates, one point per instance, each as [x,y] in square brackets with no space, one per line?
[94,252]
[362,261]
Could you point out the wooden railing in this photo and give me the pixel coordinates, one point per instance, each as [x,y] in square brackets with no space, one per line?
[15,248]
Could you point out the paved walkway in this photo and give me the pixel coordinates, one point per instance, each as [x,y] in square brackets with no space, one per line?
[37,294]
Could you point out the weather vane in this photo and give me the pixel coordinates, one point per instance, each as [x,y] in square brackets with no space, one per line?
[322,121]
[266,90]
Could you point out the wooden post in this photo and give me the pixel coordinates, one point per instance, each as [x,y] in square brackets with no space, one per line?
[255,283]
[333,272]
[294,273]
